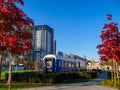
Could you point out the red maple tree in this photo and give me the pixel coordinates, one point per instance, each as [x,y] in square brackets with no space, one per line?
[14,28]
[110,47]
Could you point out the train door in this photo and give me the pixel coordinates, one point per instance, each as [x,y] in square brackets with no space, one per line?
[49,65]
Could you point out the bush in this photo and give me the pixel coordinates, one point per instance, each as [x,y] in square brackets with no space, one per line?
[116,84]
[37,77]
[110,83]
[106,82]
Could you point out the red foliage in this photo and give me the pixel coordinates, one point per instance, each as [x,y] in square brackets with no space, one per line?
[109,16]
[110,47]
[14,24]
[26,35]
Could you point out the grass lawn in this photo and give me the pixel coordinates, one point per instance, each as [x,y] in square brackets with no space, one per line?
[7,89]
[15,86]
[2,75]
[31,85]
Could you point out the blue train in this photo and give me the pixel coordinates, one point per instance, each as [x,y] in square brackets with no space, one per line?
[53,63]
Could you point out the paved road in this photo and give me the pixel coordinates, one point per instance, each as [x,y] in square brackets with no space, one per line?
[92,85]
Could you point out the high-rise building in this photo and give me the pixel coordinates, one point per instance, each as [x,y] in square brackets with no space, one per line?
[44,42]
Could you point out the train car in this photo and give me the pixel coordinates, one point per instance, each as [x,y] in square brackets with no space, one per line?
[54,63]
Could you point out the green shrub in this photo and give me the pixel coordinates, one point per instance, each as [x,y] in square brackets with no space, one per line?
[116,84]
[37,77]
[110,83]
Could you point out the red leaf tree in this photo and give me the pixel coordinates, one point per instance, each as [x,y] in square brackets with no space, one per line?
[15,32]
[110,47]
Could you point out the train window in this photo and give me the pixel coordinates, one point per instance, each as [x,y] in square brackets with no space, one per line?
[49,64]
[66,64]
[74,64]
[63,64]
[78,64]
[59,63]
[70,64]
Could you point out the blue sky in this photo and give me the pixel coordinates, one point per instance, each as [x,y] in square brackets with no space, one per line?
[77,23]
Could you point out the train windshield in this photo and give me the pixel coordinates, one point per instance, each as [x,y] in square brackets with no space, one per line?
[49,65]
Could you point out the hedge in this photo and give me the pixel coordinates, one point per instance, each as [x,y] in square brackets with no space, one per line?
[38,77]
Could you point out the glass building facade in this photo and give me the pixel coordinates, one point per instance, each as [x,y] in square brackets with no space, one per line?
[43,41]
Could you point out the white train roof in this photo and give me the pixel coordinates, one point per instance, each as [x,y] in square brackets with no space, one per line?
[62,58]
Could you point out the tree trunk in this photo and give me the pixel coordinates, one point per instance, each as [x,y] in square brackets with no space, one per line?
[10,72]
[10,77]
[0,66]
[112,72]
[117,72]
[114,65]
